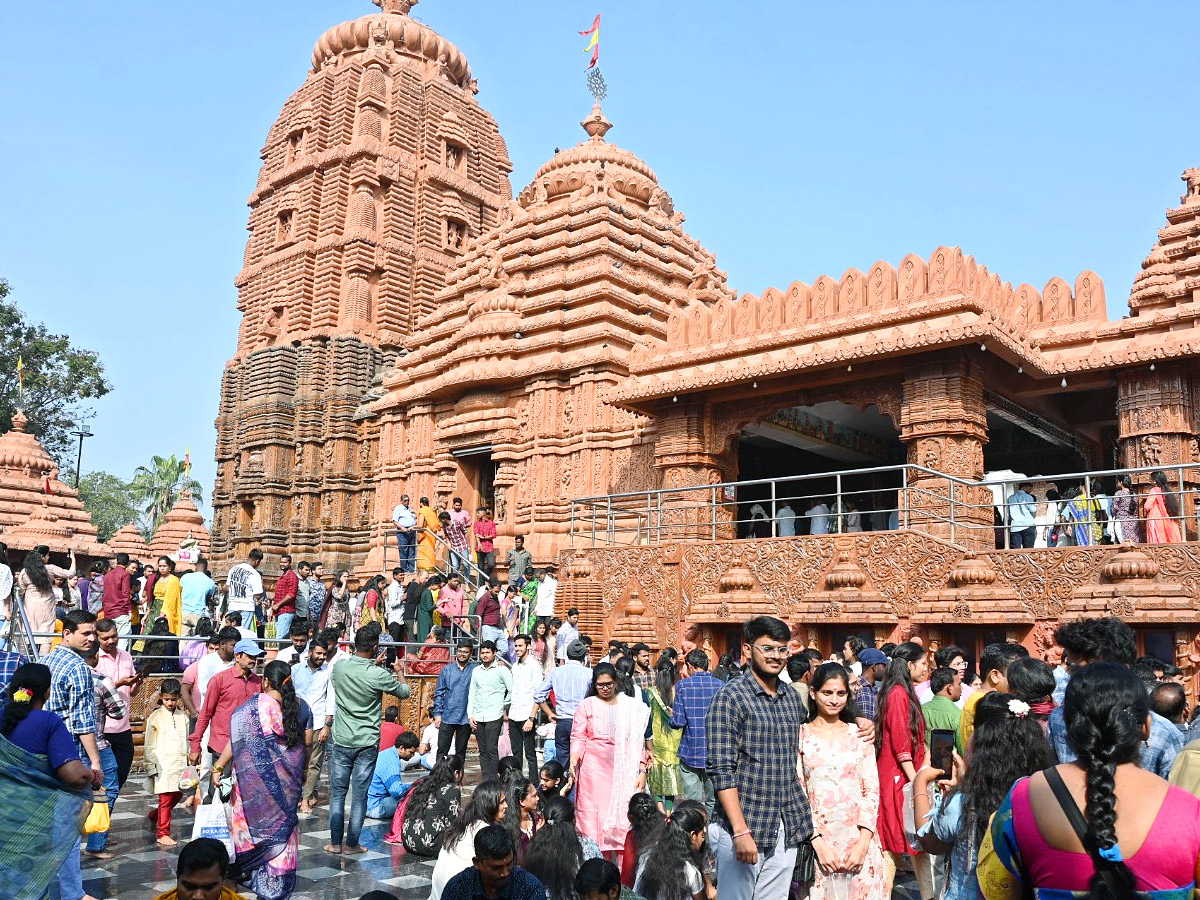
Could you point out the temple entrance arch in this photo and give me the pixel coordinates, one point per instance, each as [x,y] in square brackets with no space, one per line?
[794,452]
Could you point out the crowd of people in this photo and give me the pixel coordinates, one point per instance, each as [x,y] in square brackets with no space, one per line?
[1101,511]
[778,772]
[1075,517]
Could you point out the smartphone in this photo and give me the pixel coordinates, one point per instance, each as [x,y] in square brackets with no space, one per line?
[941,750]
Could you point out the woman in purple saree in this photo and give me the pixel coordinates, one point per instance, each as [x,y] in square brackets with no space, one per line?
[267,750]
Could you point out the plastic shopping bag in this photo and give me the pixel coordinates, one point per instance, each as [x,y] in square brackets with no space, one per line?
[212,821]
[98,820]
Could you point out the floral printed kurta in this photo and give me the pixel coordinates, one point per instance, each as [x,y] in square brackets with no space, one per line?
[839,775]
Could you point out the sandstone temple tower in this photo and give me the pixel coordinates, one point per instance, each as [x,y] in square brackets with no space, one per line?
[380,172]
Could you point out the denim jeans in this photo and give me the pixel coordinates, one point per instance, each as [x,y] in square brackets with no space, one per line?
[461,563]
[98,841]
[283,624]
[407,544]
[350,771]
[385,809]
[70,876]
[498,636]
[562,742]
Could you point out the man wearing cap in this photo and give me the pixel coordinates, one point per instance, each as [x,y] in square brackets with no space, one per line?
[866,685]
[570,683]
[405,521]
[226,692]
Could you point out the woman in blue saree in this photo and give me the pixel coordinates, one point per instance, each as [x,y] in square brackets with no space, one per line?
[267,750]
[46,788]
[1081,516]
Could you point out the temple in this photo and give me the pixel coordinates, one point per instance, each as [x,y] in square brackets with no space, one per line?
[575,360]
[37,508]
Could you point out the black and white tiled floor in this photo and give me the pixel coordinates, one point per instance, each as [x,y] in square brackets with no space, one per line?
[141,869]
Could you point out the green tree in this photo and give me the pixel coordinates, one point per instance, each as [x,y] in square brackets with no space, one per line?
[58,378]
[156,488]
[109,500]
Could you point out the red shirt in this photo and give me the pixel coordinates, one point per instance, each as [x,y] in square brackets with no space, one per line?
[485,533]
[286,589]
[388,732]
[226,692]
[118,599]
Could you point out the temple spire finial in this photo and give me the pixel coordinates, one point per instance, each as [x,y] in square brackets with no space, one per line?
[595,124]
[396,6]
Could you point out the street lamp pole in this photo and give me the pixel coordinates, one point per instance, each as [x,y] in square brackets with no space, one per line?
[81,433]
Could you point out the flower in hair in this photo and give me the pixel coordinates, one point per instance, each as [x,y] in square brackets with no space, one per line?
[22,695]
[1019,708]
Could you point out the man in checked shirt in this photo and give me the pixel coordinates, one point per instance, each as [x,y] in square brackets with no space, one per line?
[753,731]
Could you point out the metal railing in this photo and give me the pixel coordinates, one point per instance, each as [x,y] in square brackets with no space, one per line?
[473,576]
[410,648]
[885,498]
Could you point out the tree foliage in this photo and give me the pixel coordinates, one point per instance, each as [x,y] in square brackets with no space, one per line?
[59,377]
[109,501]
[156,488]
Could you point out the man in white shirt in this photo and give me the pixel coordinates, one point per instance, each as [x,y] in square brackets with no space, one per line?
[310,677]
[246,589]
[522,711]
[818,517]
[405,521]
[394,601]
[785,521]
[547,591]
[569,632]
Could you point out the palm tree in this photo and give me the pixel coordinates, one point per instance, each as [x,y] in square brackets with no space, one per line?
[158,487]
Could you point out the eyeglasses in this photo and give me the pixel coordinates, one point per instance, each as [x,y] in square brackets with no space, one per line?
[605,685]
[769,651]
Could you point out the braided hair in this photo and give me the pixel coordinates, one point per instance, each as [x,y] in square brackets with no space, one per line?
[1105,710]
[279,678]
[31,677]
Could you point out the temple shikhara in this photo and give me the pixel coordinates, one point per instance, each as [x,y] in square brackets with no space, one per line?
[575,360]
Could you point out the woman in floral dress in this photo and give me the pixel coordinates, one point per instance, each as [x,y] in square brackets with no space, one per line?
[837,769]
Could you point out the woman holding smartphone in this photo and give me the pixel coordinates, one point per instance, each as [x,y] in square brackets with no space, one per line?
[1007,744]
[838,772]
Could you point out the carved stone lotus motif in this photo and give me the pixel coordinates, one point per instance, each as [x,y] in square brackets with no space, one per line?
[1130,564]
[580,567]
[845,574]
[971,570]
[737,577]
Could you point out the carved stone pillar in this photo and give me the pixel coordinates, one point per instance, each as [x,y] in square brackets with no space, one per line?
[684,455]
[943,420]
[1157,420]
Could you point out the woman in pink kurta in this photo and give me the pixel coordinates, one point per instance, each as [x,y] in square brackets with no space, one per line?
[838,772]
[609,757]
[900,745]
[1162,512]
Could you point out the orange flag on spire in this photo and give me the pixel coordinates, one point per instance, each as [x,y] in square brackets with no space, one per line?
[594,43]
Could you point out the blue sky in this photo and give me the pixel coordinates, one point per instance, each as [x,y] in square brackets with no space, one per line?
[799,138]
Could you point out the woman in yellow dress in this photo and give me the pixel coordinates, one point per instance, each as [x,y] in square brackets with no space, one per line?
[427,529]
